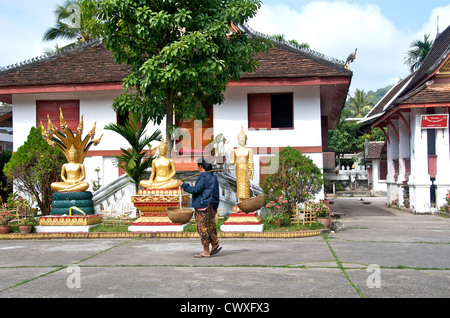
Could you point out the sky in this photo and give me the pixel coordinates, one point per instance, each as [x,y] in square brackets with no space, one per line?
[381,30]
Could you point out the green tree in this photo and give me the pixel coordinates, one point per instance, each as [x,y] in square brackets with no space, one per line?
[419,51]
[6,189]
[71,22]
[344,138]
[180,53]
[34,167]
[359,104]
[297,178]
[134,131]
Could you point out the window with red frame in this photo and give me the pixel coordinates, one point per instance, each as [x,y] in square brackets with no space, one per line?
[271,111]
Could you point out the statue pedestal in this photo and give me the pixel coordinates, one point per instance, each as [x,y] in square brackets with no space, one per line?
[67,224]
[72,212]
[153,205]
[242,222]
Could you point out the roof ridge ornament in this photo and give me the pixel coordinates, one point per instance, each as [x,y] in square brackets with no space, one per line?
[72,48]
[350,59]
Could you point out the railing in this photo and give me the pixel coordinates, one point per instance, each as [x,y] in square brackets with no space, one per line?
[115,197]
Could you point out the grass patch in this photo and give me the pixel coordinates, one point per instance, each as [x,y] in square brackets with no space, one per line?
[111,227]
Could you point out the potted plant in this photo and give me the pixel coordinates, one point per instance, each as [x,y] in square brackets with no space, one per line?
[26,224]
[323,212]
[277,214]
[447,206]
[5,218]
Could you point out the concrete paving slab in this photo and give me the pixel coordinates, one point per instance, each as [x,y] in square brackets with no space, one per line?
[408,283]
[269,252]
[182,282]
[44,253]
[13,276]
[393,254]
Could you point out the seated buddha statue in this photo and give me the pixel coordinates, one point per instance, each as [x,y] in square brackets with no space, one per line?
[72,174]
[163,171]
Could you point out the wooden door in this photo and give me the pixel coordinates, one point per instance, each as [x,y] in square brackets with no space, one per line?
[195,134]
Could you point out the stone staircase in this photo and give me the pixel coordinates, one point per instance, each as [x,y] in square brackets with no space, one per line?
[115,197]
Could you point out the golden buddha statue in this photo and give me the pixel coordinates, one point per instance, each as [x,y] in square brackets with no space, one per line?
[72,174]
[163,171]
[243,158]
[75,150]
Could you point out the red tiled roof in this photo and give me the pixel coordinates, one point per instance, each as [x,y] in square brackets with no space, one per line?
[434,93]
[93,63]
[89,64]
[284,61]
[375,150]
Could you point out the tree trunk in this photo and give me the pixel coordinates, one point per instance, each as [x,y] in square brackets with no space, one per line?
[169,123]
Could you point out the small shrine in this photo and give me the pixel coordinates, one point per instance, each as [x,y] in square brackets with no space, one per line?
[160,192]
[72,207]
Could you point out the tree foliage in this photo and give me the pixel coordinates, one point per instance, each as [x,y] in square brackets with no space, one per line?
[34,167]
[418,52]
[6,188]
[71,22]
[297,178]
[181,53]
[359,104]
[134,131]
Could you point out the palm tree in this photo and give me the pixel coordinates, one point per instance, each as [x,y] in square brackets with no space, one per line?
[281,38]
[360,104]
[418,53]
[132,160]
[71,22]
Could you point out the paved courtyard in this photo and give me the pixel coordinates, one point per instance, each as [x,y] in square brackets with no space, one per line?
[381,253]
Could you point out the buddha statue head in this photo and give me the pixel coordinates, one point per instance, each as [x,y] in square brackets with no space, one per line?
[242,137]
[162,148]
[73,154]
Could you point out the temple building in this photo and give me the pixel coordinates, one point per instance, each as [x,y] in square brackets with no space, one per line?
[293,99]
[414,117]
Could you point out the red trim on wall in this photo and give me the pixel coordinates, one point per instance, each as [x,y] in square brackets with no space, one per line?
[61,88]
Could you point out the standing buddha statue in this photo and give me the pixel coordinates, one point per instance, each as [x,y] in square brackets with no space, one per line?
[243,158]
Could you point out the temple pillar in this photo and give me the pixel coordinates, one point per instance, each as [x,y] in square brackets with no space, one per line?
[442,181]
[404,152]
[392,160]
[419,180]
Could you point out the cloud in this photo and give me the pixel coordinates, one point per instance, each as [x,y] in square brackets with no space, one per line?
[337,28]
[22,25]
[430,27]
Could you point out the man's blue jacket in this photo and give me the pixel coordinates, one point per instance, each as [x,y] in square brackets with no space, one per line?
[204,192]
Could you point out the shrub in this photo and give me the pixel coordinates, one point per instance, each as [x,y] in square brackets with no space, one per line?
[297,178]
[34,167]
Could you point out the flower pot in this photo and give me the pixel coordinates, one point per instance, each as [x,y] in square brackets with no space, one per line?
[25,228]
[325,221]
[277,222]
[4,229]
[447,208]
